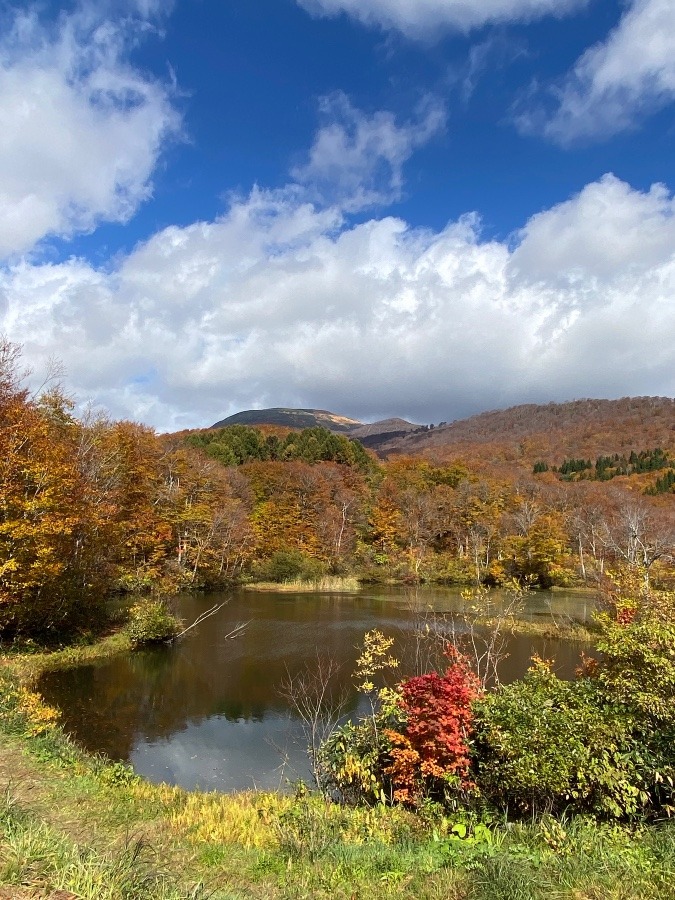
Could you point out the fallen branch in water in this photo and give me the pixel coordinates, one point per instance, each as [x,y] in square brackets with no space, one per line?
[236,631]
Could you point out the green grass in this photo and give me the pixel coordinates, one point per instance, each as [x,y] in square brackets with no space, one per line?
[38,855]
[72,821]
[556,630]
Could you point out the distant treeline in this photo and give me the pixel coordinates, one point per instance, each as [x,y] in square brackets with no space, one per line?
[239,444]
[607,467]
[90,506]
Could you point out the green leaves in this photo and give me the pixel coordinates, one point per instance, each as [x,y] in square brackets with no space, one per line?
[151,622]
[238,444]
[603,744]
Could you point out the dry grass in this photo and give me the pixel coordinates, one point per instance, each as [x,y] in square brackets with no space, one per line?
[326,584]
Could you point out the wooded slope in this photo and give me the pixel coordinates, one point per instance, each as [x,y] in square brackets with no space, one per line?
[524,435]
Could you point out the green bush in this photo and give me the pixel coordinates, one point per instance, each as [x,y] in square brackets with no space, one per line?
[637,642]
[151,622]
[289,565]
[543,744]
[603,744]
[352,761]
[637,674]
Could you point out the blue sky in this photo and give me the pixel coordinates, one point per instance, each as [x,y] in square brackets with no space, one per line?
[423,208]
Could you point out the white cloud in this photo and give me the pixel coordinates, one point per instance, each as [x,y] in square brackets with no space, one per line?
[421,17]
[80,128]
[617,82]
[357,160]
[607,230]
[277,303]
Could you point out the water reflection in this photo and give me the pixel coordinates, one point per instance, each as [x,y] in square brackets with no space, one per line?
[207,713]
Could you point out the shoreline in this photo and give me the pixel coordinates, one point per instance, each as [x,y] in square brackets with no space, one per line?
[72,821]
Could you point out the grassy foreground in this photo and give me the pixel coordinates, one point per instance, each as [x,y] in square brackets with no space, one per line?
[75,823]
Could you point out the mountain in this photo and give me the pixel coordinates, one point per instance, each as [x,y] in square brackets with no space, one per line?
[370,435]
[549,432]
[291,418]
[519,436]
[376,434]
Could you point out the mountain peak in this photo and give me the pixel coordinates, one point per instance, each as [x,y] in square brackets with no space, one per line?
[291,418]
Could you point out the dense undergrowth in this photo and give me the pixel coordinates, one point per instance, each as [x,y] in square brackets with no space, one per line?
[600,744]
[96,830]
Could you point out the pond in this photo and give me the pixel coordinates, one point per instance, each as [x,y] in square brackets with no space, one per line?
[207,713]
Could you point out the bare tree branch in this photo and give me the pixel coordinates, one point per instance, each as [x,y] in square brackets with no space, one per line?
[236,631]
[314,697]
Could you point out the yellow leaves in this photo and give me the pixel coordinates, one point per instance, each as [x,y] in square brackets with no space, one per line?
[8,566]
[231,819]
[384,523]
[374,658]
[39,715]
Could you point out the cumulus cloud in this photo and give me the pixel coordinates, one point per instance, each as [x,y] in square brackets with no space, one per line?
[80,128]
[277,303]
[357,160]
[608,229]
[421,17]
[615,83]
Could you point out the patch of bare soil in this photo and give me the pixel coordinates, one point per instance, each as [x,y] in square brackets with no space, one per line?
[17,774]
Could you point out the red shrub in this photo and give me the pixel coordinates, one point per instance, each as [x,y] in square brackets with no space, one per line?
[433,751]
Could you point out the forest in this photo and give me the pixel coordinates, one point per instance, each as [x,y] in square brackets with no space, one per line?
[92,507]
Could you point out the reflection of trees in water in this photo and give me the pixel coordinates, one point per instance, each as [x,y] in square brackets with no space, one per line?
[155,693]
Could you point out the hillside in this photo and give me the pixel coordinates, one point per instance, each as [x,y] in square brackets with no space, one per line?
[521,435]
[550,433]
[376,434]
[290,418]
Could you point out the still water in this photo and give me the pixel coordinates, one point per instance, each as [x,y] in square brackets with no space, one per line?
[207,712]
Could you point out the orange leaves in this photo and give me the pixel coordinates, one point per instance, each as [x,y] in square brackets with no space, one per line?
[404,769]
[432,754]
[46,521]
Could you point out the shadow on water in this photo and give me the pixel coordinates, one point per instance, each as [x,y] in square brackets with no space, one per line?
[207,713]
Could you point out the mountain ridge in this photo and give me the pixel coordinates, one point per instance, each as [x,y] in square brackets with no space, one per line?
[548,432]
[291,417]
[525,432]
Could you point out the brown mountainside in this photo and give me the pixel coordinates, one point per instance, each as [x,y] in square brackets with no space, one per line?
[551,432]
[502,439]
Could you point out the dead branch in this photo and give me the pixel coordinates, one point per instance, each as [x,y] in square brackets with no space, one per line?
[236,631]
[318,702]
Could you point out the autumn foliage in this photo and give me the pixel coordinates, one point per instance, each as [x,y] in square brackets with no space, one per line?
[89,506]
[430,755]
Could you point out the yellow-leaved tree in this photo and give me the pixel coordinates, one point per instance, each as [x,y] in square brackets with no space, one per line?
[53,540]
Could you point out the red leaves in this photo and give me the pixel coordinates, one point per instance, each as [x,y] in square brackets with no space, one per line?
[434,746]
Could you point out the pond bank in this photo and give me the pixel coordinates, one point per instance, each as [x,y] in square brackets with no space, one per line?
[72,822]
[32,662]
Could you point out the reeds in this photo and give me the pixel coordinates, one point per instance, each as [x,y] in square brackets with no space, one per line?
[337,584]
